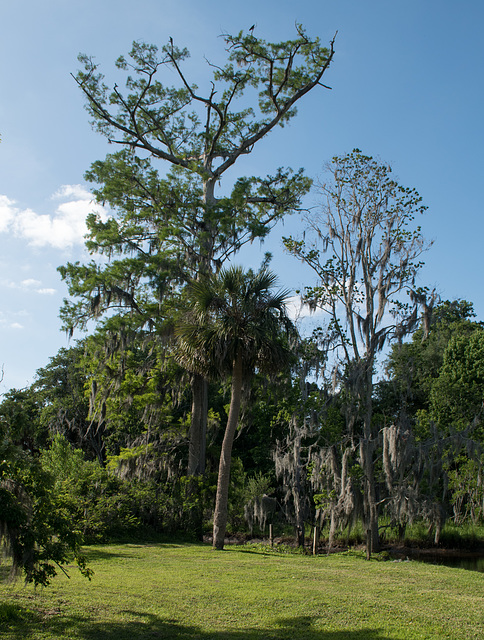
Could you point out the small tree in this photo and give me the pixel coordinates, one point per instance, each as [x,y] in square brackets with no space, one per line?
[36,531]
[367,286]
[236,326]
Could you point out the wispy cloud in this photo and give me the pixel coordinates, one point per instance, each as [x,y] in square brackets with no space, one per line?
[62,229]
[30,284]
[10,320]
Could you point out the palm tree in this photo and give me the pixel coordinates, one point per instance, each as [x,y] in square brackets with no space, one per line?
[238,324]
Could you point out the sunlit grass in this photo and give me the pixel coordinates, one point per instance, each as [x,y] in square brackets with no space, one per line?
[190,591]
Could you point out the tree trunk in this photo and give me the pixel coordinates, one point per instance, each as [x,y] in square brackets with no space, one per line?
[198,427]
[369,496]
[370,501]
[221,502]
[197,451]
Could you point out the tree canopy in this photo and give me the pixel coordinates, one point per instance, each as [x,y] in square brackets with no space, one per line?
[170,228]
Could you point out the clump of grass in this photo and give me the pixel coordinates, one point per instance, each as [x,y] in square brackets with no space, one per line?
[277,548]
[467,536]
[12,613]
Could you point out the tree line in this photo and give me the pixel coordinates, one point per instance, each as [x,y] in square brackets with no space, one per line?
[195,401]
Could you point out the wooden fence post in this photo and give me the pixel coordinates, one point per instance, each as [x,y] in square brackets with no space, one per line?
[315,540]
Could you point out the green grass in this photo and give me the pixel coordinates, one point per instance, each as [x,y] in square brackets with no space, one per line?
[191,592]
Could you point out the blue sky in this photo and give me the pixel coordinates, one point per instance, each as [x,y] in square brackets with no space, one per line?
[407,86]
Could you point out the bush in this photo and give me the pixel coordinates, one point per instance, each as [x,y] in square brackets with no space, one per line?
[106,507]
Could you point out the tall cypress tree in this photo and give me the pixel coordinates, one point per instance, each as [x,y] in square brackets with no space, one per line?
[166,230]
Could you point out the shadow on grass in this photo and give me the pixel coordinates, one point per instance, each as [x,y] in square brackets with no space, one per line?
[5,571]
[93,553]
[101,553]
[22,623]
[14,615]
[262,552]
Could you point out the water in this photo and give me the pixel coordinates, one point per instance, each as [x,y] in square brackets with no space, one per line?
[469,563]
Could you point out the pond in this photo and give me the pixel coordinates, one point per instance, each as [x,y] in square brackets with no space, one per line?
[468,561]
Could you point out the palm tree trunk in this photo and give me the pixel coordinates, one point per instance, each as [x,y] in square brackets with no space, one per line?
[221,502]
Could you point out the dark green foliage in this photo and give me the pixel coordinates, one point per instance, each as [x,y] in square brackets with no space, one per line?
[365,249]
[136,393]
[61,390]
[235,315]
[457,394]
[133,497]
[166,229]
[413,367]
[466,485]
[20,421]
[100,445]
[36,528]
[238,325]
[259,427]
[168,224]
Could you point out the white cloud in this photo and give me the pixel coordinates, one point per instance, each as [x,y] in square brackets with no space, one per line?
[62,229]
[295,308]
[74,191]
[6,213]
[8,321]
[30,282]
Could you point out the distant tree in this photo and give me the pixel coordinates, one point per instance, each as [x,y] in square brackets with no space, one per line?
[413,366]
[366,286]
[457,395]
[20,416]
[238,324]
[168,230]
[304,425]
[60,388]
[432,410]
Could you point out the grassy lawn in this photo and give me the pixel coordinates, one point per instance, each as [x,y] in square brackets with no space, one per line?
[191,592]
